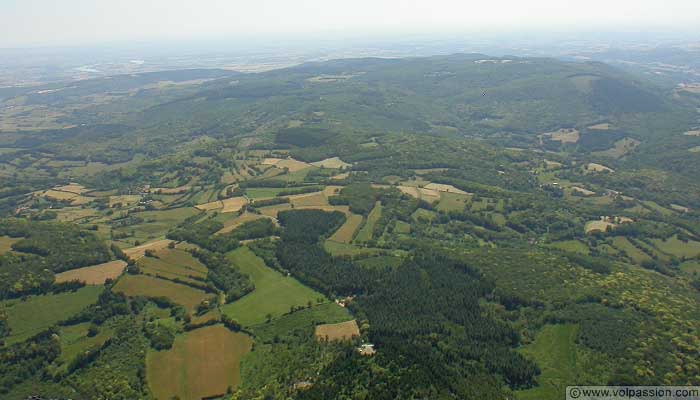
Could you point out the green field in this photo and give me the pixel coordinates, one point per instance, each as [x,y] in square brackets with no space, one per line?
[573,246]
[452,202]
[677,247]
[345,249]
[380,262]
[157,223]
[554,350]
[174,264]
[365,232]
[691,267]
[261,193]
[6,243]
[143,285]
[75,340]
[327,313]
[632,251]
[274,293]
[29,317]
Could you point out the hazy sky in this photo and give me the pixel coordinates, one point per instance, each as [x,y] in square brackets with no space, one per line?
[53,22]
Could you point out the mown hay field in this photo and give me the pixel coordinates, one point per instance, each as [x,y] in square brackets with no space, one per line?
[202,363]
[232,224]
[334,162]
[274,292]
[346,232]
[174,264]
[316,199]
[6,243]
[137,252]
[453,202]
[93,275]
[337,332]
[143,285]
[365,232]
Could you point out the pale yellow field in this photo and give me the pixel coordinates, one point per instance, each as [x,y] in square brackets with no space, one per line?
[233,204]
[177,190]
[332,190]
[598,226]
[236,222]
[695,149]
[334,162]
[6,243]
[80,200]
[124,200]
[291,164]
[309,199]
[58,195]
[622,147]
[72,188]
[139,251]
[598,168]
[93,275]
[272,211]
[600,127]
[346,232]
[214,205]
[428,195]
[340,331]
[564,135]
[553,164]
[410,190]
[203,363]
[680,208]
[340,177]
[444,188]
[693,133]
[582,191]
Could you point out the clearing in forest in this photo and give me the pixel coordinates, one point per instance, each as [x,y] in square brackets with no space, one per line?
[93,275]
[174,264]
[622,147]
[291,164]
[143,285]
[593,167]
[232,224]
[6,243]
[316,199]
[203,363]
[124,200]
[340,331]
[334,162]
[137,252]
[554,351]
[564,135]
[346,232]
[233,204]
[440,187]
[367,229]
[429,195]
[600,127]
[274,292]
